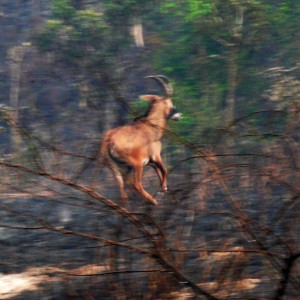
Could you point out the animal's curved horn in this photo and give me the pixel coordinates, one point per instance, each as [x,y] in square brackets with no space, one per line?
[164,82]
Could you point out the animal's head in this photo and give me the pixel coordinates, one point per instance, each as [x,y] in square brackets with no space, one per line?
[163,103]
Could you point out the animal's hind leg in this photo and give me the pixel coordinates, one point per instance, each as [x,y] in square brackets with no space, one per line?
[138,171]
[120,181]
[122,191]
[125,171]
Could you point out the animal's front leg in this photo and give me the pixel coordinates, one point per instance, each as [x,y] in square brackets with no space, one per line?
[138,171]
[161,172]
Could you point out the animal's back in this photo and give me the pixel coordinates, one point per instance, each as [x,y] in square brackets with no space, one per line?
[128,143]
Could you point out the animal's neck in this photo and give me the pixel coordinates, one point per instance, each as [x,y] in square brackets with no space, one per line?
[158,121]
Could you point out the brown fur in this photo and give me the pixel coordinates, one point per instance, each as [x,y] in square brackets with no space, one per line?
[133,146]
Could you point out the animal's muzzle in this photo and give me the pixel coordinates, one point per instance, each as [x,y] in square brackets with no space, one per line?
[175,115]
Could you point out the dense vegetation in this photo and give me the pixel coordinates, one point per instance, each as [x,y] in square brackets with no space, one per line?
[71,69]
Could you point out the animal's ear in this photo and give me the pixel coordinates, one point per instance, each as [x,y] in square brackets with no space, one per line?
[149,98]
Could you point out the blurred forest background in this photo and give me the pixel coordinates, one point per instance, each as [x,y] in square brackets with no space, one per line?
[228,228]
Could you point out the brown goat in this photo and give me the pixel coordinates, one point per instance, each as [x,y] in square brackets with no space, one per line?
[138,144]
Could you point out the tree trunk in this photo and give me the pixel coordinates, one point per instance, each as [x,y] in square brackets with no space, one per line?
[234,48]
[137,32]
[15,60]
[232,62]
[232,84]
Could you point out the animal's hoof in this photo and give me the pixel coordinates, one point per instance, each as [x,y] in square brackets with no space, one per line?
[154,202]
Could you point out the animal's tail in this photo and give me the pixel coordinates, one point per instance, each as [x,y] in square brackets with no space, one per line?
[103,153]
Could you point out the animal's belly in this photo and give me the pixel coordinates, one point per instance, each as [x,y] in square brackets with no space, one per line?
[131,155]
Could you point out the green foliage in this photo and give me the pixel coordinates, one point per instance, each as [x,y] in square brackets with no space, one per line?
[196,39]
[62,9]
[188,10]
[138,108]
[121,7]
[193,45]
[121,14]
[77,37]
